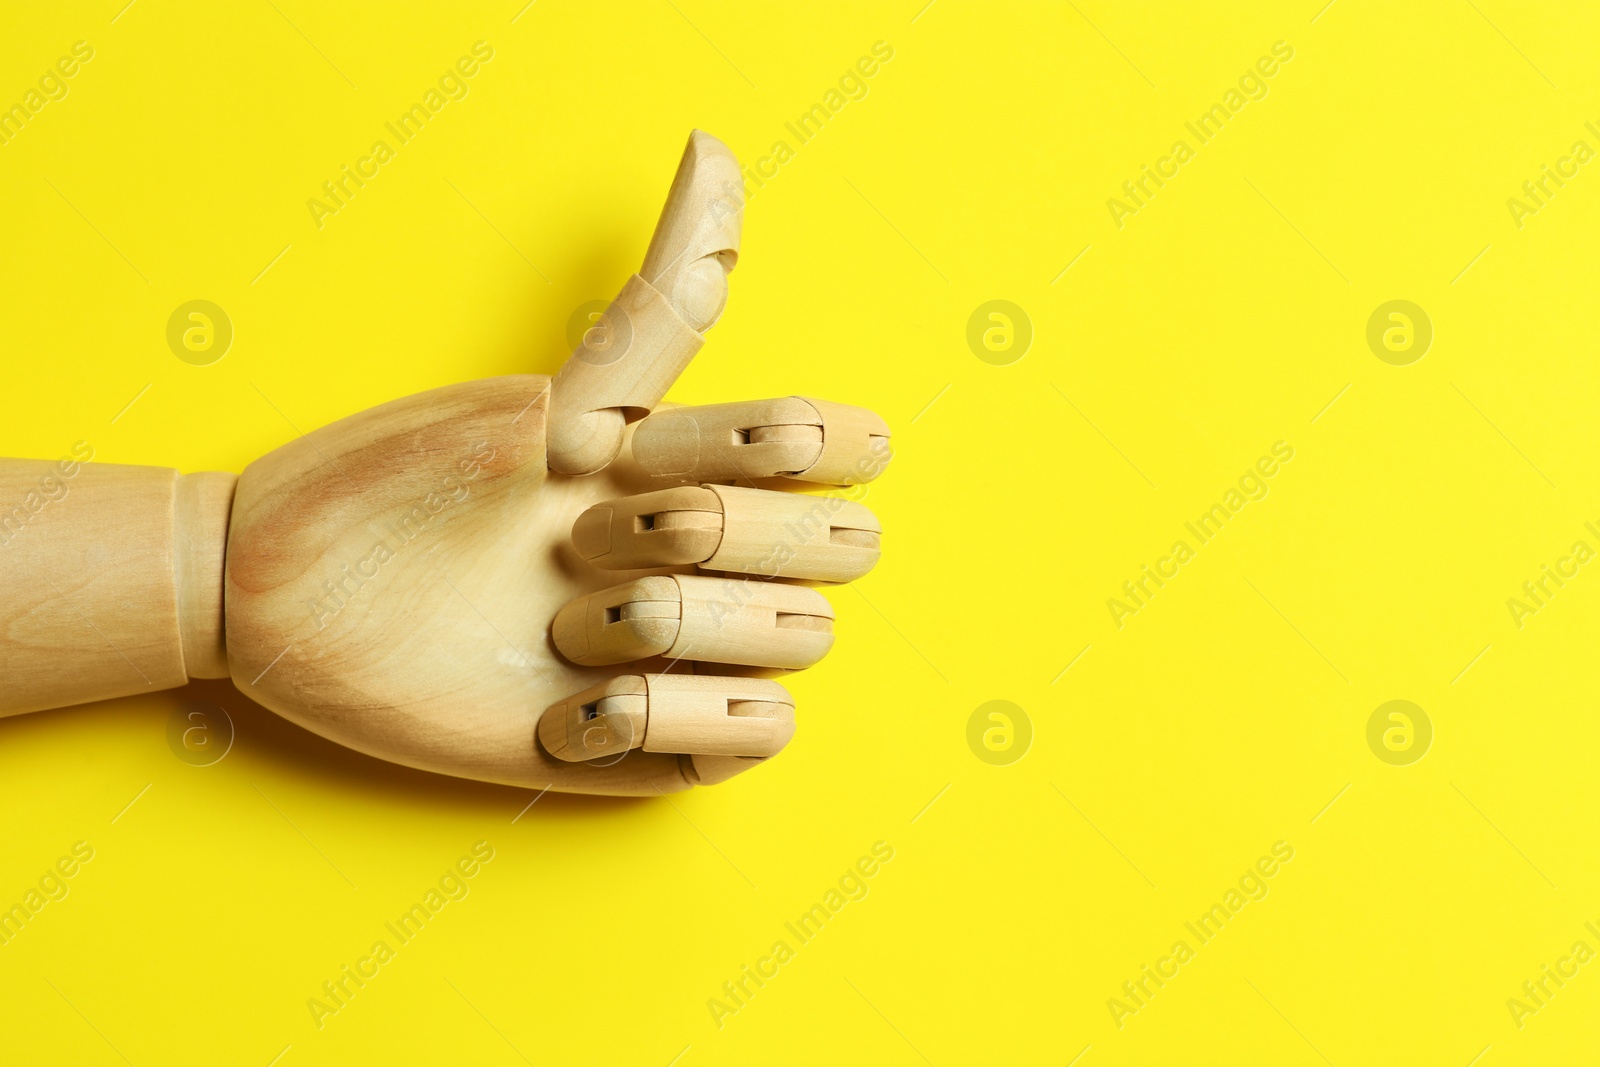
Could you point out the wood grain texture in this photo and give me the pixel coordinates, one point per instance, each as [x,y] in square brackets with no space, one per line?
[201,509]
[797,437]
[391,579]
[699,618]
[110,580]
[743,718]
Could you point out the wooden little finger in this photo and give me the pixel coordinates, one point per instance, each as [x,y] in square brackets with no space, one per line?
[685,714]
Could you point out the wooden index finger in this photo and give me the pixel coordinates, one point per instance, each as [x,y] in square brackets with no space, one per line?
[797,437]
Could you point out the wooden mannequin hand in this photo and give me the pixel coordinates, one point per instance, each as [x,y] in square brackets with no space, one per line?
[497,579]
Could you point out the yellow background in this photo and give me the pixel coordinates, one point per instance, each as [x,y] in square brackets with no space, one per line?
[1223,717]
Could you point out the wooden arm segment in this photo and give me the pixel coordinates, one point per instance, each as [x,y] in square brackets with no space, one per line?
[110,580]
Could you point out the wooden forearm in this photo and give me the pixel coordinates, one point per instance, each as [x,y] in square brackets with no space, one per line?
[110,580]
